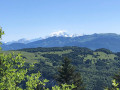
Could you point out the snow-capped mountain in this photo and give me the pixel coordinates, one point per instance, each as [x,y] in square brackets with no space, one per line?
[36,39]
[23,40]
[63,34]
[59,34]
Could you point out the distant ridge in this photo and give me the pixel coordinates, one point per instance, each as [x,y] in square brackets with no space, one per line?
[109,41]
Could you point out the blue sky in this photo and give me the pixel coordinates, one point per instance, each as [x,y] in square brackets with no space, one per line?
[38,18]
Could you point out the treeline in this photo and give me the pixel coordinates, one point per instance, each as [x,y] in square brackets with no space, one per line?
[96,67]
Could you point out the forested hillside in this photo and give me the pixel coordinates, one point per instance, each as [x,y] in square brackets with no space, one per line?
[96,67]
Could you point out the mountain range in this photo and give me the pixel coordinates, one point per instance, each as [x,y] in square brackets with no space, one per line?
[109,41]
[23,40]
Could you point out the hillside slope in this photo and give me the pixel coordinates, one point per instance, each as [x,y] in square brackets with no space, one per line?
[96,67]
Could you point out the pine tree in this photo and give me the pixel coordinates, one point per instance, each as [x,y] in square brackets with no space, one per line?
[77,81]
[66,74]
[117,78]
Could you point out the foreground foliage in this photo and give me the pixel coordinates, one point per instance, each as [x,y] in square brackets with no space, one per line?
[13,73]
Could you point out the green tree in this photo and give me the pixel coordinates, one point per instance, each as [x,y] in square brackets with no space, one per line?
[117,78]
[77,81]
[115,82]
[114,86]
[12,74]
[67,74]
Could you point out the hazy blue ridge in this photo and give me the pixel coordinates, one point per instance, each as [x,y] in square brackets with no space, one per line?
[109,41]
